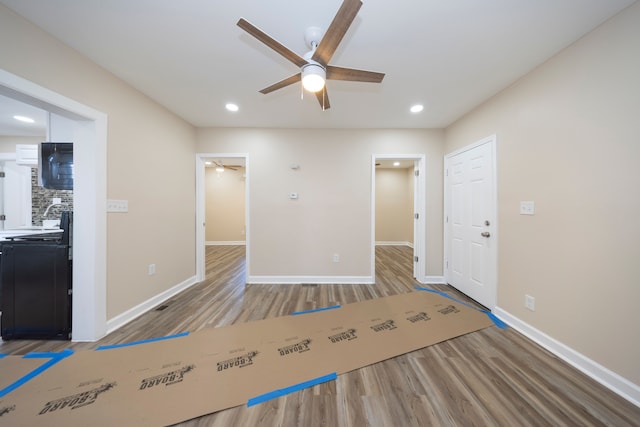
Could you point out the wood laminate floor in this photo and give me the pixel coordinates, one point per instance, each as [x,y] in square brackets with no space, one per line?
[491,377]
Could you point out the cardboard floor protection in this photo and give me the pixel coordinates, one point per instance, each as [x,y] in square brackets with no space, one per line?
[172,379]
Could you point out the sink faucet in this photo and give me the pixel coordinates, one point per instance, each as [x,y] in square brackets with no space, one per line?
[44,215]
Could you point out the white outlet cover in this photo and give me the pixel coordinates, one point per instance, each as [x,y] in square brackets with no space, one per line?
[527,208]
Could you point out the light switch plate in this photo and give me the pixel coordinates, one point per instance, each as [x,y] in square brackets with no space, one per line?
[527,208]
[117,205]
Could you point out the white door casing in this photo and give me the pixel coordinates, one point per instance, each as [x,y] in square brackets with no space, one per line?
[89,318]
[200,211]
[470,221]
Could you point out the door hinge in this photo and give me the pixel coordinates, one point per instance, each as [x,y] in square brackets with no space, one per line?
[1,174]
[415,259]
[69,291]
[3,217]
[416,172]
[416,216]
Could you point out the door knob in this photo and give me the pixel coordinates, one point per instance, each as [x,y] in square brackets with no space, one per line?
[485,234]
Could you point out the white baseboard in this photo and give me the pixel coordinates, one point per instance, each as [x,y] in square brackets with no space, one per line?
[297,280]
[225,243]
[604,376]
[433,280]
[394,244]
[126,317]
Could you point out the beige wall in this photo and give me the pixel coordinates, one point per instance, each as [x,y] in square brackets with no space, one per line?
[8,143]
[225,205]
[150,163]
[569,139]
[394,205]
[333,212]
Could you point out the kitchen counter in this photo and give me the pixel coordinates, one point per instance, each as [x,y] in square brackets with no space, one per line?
[27,231]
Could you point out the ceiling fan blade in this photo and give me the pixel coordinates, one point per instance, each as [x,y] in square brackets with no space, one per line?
[353,75]
[336,31]
[272,43]
[323,99]
[283,83]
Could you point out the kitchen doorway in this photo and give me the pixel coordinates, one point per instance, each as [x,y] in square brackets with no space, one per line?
[219,179]
[89,128]
[413,206]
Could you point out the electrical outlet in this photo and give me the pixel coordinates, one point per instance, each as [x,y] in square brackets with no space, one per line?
[152,269]
[56,201]
[527,208]
[336,257]
[530,302]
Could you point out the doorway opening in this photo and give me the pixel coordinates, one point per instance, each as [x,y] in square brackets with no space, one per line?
[89,131]
[222,204]
[398,206]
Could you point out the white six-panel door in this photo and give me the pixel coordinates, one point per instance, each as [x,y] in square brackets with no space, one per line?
[470,221]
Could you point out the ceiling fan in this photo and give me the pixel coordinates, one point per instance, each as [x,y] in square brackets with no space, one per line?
[314,65]
[220,167]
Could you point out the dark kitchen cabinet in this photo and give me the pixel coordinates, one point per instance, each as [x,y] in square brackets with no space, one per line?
[35,290]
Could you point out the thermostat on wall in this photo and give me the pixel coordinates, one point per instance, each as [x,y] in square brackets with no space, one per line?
[293,196]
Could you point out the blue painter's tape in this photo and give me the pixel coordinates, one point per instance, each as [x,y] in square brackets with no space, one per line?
[3,355]
[295,313]
[53,359]
[499,323]
[288,390]
[129,344]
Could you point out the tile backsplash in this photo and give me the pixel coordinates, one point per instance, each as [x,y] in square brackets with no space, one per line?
[41,198]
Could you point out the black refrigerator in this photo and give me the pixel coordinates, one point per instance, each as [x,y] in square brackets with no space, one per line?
[35,286]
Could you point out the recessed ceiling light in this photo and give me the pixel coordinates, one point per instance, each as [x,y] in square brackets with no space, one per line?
[231,107]
[396,163]
[208,163]
[417,108]
[24,119]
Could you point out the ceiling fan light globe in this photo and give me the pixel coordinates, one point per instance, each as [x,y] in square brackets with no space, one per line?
[313,77]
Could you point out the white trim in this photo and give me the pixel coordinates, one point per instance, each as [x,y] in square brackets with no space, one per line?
[434,280]
[90,207]
[137,311]
[419,199]
[323,280]
[225,243]
[604,376]
[201,214]
[394,244]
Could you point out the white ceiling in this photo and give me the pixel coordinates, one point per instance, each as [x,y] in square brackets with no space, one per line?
[10,126]
[189,55]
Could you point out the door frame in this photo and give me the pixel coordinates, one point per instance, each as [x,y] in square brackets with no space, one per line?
[89,298]
[493,204]
[201,198]
[419,206]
